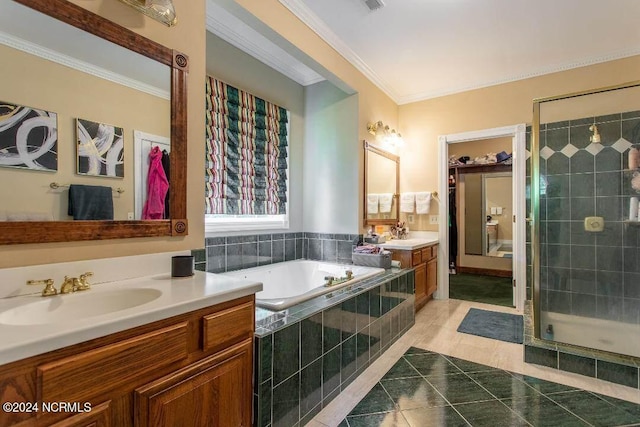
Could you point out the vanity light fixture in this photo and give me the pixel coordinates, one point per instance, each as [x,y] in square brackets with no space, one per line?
[595,138]
[384,134]
[160,10]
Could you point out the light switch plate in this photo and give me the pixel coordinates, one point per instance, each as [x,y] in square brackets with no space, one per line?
[499,210]
[594,223]
[410,218]
[494,211]
[433,219]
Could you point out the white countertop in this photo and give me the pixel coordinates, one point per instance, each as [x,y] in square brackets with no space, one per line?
[420,241]
[177,296]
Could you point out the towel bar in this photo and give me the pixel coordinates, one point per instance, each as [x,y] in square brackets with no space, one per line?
[55,186]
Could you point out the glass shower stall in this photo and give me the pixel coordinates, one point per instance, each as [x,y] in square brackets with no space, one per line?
[585,224]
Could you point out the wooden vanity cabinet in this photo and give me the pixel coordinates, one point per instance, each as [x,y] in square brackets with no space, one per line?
[425,262]
[193,369]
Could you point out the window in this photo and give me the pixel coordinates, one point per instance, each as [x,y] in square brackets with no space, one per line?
[246,160]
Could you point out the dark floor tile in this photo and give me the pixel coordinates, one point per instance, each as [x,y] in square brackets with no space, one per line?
[432,364]
[630,407]
[377,400]
[502,384]
[387,419]
[593,409]
[459,388]
[542,412]
[468,366]
[408,393]
[401,369]
[434,417]
[490,414]
[343,423]
[543,386]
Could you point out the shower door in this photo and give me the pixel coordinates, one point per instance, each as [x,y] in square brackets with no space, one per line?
[584,190]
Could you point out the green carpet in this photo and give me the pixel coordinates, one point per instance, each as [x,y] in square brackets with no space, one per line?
[486,289]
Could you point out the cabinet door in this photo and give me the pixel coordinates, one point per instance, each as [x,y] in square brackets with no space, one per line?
[421,285]
[215,391]
[432,276]
[99,416]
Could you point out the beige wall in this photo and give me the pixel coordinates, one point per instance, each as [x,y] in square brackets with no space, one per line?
[501,105]
[479,148]
[73,94]
[188,37]
[373,104]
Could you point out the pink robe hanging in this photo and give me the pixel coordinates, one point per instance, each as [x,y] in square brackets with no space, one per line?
[157,186]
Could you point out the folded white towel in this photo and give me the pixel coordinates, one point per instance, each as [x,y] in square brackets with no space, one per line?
[386,201]
[407,201]
[372,203]
[423,202]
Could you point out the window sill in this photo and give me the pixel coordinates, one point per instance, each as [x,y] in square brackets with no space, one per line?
[215,227]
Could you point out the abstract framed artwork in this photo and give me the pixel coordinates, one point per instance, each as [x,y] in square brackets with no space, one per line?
[28,138]
[100,149]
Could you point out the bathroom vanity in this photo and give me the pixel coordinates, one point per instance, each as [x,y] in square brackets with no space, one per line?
[188,362]
[422,255]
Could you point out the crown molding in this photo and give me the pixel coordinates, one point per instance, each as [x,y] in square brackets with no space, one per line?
[308,17]
[317,25]
[234,31]
[625,53]
[76,64]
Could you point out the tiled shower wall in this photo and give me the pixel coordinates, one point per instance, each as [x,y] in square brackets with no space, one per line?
[237,252]
[588,274]
[591,274]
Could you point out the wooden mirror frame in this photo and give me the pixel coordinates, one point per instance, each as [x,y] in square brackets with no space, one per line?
[67,231]
[396,196]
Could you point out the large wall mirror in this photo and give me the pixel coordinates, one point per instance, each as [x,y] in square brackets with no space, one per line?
[83,101]
[381,186]
[487,214]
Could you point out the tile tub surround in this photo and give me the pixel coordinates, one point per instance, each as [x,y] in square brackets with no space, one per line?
[425,388]
[231,253]
[307,354]
[615,368]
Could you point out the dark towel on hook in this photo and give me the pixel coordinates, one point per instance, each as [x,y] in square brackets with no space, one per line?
[90,202]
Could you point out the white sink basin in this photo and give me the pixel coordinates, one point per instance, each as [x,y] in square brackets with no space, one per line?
[67,308]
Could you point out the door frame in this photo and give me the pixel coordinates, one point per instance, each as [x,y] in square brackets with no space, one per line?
[517,134]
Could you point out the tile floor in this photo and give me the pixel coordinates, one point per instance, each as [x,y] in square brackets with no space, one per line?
[435,331]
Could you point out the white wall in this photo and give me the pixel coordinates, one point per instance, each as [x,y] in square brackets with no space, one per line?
[331,160]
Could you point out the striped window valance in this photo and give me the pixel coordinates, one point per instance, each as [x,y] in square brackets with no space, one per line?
[246,154]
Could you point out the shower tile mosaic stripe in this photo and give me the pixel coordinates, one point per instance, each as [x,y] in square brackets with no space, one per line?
[231,253]
[306,355]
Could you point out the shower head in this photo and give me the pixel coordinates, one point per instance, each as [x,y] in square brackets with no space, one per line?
[595,138]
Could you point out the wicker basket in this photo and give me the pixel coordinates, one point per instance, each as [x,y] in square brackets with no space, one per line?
[372,260]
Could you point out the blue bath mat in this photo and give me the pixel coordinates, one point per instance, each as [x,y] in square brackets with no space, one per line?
[492,324]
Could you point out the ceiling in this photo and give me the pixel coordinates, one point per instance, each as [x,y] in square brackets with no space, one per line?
[419,49]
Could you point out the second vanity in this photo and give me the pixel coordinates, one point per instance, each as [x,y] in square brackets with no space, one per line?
[421,253]
[180,352]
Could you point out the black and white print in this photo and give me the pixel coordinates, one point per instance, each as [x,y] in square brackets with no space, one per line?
[100,149]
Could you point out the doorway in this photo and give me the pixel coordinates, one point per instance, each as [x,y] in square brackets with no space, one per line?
[487,246]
